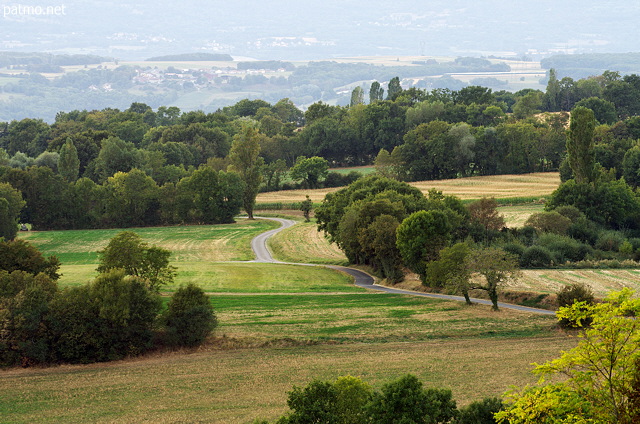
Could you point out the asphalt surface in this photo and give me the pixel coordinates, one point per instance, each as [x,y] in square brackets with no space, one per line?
[364,280]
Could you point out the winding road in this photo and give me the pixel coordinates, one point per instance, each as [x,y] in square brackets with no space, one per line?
[361,278]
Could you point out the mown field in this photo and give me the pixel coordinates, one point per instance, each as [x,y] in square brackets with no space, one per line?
[524,186]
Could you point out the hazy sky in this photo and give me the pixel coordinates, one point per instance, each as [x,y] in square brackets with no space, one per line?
[287,28]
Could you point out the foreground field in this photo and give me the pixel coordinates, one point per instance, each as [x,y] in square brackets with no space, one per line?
[238,386]
[540,184]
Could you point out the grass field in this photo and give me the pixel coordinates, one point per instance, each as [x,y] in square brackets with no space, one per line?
[237,386]
[540,184]
[303,243]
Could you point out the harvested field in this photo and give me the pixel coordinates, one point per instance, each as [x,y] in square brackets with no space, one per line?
[602,281]
[241,385]
[540,184]
[303,243]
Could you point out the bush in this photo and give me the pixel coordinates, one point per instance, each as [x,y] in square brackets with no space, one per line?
[570,212]
[515,249]
[341,402]
[406,401]
[563,248]
[610,241]
[480,412]
[568,295]
[24,306]
[189,316]
[549,222]
[107,319]
[584,230]
[536,257]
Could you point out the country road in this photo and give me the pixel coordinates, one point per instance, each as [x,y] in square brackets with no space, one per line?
[361,278]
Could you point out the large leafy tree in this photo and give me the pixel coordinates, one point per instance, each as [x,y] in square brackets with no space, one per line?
[68,162]
[602,373]
[18,255]
[245,160]
[127,251]
[309,170]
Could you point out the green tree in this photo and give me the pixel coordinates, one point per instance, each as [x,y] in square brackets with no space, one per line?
[600,373]
[19,255]
[450,270]
[339,402]
[580,151]
[209,196]
[376,92]
[189,317]
[128,252]
[131,199]
[306,206]
[357,96]
[68,163]
[496,267]
[11,205]
[394,88]
[309,170]
[407,401]
[421,236]
[24,307]
[109,318]
[116,155]
[245,160]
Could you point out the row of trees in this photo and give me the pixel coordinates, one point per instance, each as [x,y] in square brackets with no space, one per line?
[118,314]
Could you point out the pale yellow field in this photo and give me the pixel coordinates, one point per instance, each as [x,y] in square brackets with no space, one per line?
[499,186]
[601,281]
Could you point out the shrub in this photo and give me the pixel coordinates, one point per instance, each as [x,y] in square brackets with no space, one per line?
[564,248]
[24,306]
[584,230]
[341,402]
[406,401]
[189,316]
[570,212]
[549,222]
[515,249]
[107,319]
[536,257]
[610,241]
[568,295]
[480,412]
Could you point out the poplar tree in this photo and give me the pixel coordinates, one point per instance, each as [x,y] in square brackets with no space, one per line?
[245,161]
[68,162]
[580,152]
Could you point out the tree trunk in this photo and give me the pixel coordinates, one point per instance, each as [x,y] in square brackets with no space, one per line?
[465,293]
[493,295]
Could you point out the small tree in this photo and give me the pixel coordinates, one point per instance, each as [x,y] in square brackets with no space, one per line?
[18,255]
[306,206]
[496,266]
[127,251]
[189,316]
[309,170]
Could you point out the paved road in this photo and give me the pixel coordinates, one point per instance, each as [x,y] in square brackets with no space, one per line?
[364,280]
[259,243]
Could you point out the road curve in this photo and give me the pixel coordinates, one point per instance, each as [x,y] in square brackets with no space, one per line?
[364,280]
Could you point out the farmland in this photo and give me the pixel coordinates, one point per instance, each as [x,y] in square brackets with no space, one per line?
[282,325]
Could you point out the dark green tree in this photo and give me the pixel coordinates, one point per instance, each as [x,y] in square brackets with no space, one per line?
[394,88]
[407,401]
[11,204]
[309,170]
[189,317]
[19,255]
[376,92]
[245,161]
[68,163]
[580,151]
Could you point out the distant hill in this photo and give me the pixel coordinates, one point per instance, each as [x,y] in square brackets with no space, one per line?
[192,57]
[585,65]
